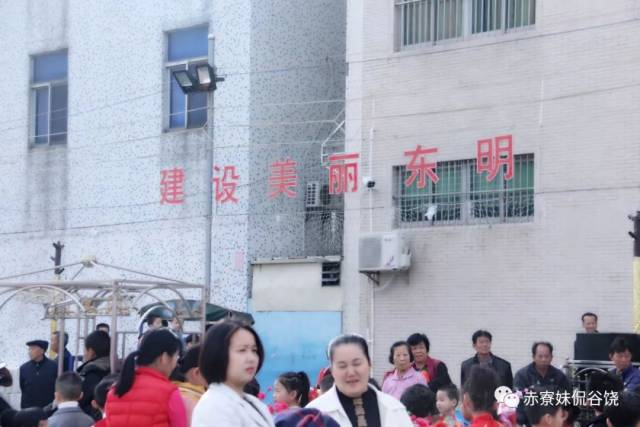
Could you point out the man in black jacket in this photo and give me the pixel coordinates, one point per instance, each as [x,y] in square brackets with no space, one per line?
[482,345]
[539,373]
[97,346]
[37,377]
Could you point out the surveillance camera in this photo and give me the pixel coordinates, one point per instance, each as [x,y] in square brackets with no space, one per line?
[368,182]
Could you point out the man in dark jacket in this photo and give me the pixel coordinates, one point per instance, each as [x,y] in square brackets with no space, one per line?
[539,373]
[67,361]
[37,377]
[433,370]
[96,353]
[482,345]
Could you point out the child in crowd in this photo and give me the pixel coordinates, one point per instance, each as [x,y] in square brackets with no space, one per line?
[420,401]
[68,393]
[291,390]
[479,403]
[447,399]
[325,384]
[100,396]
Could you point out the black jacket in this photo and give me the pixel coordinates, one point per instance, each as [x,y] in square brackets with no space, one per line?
[529,376]
[92,372]
[499,365]
[38,383]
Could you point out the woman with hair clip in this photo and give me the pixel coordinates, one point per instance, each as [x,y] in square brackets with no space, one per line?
[143,395]
[292,389]
[352,402]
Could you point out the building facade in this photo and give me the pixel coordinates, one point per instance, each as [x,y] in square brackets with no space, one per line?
[104,152]
[522,256]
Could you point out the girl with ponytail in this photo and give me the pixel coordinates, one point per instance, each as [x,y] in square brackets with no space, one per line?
[292,389]
[143,395]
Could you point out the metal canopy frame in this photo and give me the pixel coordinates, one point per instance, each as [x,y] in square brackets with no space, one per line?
[112,296]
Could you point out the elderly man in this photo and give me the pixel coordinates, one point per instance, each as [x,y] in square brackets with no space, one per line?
[37,376]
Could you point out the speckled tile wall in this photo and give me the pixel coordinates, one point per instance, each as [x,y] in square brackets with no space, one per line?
[100,193]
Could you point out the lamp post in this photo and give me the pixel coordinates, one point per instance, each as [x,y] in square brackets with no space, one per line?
[205,80]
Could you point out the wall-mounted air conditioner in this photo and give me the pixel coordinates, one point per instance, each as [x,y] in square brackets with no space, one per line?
[386,251]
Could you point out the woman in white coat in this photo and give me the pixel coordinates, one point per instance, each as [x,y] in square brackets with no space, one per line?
[231,356]
[352,402]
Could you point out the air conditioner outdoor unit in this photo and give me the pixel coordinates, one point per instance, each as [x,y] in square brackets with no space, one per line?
[388,251]
[312,195]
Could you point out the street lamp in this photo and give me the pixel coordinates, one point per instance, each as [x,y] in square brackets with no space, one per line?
[204,80]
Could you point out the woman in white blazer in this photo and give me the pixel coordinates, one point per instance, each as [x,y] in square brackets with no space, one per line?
[352,402]
[231,356]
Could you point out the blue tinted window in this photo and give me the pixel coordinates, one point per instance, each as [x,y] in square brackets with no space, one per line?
[58,114]
[188,43]
[197,106]
[51,66]
[177,103]
[42,116]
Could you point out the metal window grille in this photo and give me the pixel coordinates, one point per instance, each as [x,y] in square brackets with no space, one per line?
[461,196]
[423,21]
[487,15]
[520,13]
[430,21]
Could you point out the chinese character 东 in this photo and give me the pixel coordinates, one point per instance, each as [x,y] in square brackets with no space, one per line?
[420,168]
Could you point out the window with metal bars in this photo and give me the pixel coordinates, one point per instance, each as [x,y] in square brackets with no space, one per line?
[429,21]
[493,15]
[462,196]
[422,21]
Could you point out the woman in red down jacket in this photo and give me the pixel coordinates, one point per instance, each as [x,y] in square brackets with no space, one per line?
[144,396]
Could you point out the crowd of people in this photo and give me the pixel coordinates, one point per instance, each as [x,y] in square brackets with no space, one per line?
[171,380]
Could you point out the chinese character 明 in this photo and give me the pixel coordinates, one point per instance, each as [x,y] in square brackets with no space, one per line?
[283,179]
[172,186]
[343,170]
[226,186]
[420,168]
[492,154]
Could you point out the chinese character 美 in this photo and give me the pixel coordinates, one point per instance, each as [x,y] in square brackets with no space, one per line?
[283,178]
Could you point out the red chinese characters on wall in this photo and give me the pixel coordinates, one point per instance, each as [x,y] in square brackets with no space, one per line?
[420,168]
[283,179]
[494,153]
[172,186]
[225,184]
[343,173]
